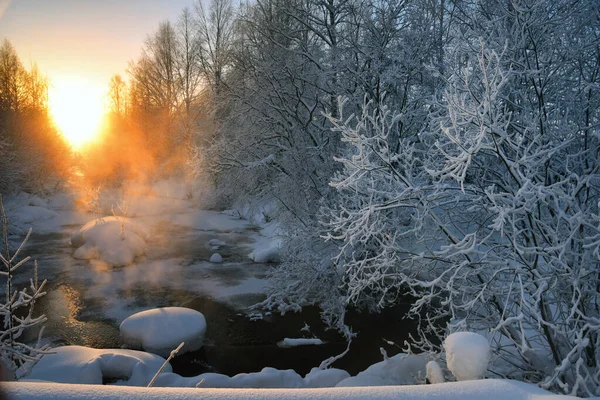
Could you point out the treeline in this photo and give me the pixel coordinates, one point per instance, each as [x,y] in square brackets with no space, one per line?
[32,152]
[163,110]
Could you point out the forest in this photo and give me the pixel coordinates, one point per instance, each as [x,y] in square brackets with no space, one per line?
[443,151]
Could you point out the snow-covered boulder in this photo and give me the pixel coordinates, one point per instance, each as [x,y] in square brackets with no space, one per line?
[401,369]
[161,330]
[216,258]
[216,243]
[84,365]
[114,240]
[321,378]
[467,355]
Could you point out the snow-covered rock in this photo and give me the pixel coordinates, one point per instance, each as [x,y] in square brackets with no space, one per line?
[289,342]
[161,330]
[216,258]
[114,240]
[401,369]
[321,378]
[84,365]
[434,373]
[216,243]
[467,355]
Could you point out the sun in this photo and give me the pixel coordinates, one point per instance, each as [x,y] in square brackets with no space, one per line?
[77,109]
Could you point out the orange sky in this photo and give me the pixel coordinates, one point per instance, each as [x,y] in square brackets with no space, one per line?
[88,39]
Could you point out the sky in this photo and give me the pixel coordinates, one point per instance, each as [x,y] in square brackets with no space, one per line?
[83,39]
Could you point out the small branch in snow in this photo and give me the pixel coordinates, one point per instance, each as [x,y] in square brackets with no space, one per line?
[171,356]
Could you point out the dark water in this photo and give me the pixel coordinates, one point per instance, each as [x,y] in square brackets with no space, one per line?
[236,344]
[233,343]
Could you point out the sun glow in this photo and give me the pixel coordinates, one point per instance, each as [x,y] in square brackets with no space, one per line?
[77,109]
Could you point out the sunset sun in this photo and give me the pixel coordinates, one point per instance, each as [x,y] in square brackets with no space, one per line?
[76,107]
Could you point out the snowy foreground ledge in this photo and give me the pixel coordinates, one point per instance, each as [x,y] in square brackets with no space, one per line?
[473,390]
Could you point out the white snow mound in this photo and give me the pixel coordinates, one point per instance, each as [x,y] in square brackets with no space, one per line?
[216,258]
[116,241]
[401,369]
[84,365]
[467,355]
[161,330]
[267,378]
[434,373]
[322,378]
[216,243]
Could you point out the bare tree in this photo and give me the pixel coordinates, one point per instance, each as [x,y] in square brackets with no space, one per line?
[117,95]
[215,33]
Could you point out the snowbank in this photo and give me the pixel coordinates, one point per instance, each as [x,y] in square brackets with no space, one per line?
[29,214]
[114,240]
[161,330]
[83,365]
[401,369]
[472,390]
[321,378]
[467,355]
[267,378]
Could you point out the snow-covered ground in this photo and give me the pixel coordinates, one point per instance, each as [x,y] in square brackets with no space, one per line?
[470,390]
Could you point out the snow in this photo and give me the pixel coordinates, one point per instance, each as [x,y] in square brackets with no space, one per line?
[401,369]
[114,240]
[434,373]
[29,214]
[489,389]
[320,378]
[266,378]
[467,355]
[161,330]
[84,365]
[266,254]
[216,243]
[216,258]
[287,342]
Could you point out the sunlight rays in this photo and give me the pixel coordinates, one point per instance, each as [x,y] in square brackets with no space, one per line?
[77,109]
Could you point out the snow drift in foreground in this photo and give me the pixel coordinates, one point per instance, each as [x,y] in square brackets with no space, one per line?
[83,365]
[114,240]
[161,330]
[489,389]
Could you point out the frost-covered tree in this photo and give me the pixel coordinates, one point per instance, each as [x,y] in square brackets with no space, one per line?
[491,218]
[17,309]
